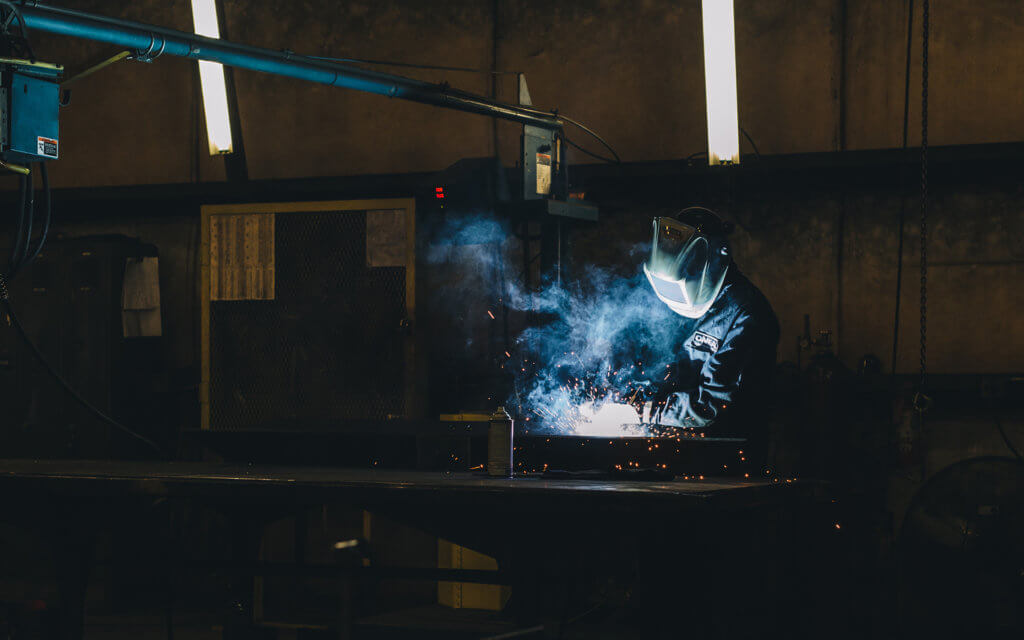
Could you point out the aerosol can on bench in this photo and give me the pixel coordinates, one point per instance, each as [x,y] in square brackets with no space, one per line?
[499,445]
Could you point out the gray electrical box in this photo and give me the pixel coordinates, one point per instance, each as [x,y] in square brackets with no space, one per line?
[29,102]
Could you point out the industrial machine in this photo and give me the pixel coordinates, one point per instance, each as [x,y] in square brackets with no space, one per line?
[29,99]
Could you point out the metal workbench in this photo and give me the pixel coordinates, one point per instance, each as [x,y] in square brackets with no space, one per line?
[83,478]
[497,516]
[540,529]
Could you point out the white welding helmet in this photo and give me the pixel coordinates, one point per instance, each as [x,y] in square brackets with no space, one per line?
[689,260]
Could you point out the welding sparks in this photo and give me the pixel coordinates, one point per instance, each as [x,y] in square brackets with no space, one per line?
[589,354]
[606,420]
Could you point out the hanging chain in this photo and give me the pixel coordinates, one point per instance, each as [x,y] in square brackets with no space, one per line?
[922,401]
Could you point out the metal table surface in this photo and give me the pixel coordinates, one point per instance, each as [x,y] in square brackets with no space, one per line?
[539,529]
[83,478]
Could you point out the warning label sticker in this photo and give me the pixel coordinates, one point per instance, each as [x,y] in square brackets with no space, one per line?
[46,147]
[544,173]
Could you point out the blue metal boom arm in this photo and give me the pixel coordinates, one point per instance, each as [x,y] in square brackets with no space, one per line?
[155,41]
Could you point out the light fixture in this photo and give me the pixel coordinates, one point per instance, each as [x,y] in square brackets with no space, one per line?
[211,79]
[720,81]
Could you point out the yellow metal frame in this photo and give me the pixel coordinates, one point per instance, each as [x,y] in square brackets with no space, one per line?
[208,211]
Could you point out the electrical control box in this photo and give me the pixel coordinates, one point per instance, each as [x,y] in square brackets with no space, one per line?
[29,102]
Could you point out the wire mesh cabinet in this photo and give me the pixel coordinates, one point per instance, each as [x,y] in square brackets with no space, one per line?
[307,309]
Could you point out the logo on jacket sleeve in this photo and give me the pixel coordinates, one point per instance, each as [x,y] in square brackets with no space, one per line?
[703,342]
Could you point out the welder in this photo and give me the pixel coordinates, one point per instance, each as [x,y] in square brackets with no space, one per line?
[728,328]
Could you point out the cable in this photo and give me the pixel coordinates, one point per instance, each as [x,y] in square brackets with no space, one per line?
[589,153]
[46,219]
[411,65]
[41,359]
[26,257]
[571,121]
[495,50]
[751,141]
[587,130]
[19,233]
[30,208]
[22,255]
[903,199]
[1006,439]
[924,192]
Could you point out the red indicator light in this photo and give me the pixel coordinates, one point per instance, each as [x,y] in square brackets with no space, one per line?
[439,192]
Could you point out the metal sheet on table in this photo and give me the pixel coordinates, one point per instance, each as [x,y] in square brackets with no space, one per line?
[98,478]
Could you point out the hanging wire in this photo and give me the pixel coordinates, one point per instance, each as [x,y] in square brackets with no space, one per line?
[33,253]
[924,202]
[413,65]
[576,123]
[25,255]
[1006,439]
[753,144]
[590,132]
[596,156]
[38,355]
[903,198]
[19,231]
[21,257]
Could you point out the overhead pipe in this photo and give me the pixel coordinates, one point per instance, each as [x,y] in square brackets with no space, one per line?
[152,41]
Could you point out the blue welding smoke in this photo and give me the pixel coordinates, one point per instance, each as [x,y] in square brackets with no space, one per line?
[597,340]
[603,339]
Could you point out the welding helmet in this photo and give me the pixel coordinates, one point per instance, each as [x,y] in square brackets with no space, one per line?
[689,259]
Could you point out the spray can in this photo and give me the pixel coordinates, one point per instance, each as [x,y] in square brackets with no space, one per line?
[499,445]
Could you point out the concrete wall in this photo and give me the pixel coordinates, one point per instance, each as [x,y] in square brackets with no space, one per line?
[632,70]
[833,256]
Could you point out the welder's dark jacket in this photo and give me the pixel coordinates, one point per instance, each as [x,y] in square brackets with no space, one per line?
[724,378]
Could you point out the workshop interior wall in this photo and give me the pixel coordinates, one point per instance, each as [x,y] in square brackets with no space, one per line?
[833,256]
[820,75]
[791,246]
[633,71]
